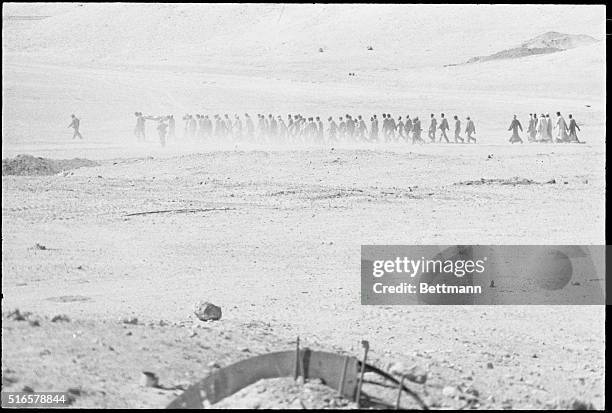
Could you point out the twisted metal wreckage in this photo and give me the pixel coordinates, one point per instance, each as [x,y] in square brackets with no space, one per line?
[341,372]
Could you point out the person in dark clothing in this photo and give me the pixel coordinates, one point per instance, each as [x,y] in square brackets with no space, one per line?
[75,124]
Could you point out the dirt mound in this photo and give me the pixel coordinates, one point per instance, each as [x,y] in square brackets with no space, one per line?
[285,393]
[31,165]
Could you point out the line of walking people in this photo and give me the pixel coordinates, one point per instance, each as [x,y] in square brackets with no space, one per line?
[298,129]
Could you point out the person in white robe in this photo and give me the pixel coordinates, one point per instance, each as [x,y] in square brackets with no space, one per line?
[549,128]
[515,125]
[562,129]
[542,128]
[532,130]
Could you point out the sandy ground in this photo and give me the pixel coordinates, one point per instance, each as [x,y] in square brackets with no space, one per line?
[277,242]
[273,235]
[205,59]
[40,96]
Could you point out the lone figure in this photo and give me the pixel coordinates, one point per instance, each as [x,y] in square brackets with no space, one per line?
[515,125]
[75,125]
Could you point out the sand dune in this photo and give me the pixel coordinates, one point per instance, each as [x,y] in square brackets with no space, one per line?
[424,35]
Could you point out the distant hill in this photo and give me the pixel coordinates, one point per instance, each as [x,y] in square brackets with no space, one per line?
[549,42]
[556,40]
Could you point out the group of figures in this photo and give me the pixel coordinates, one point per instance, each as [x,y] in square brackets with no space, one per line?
[166,127]
[298,129]
[540,129]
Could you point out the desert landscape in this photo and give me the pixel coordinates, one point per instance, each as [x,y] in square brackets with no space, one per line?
[105,256]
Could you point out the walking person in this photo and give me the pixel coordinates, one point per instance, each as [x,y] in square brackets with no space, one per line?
[416,131]
[400,129]
[432,128]
[342,129]
[350,127]
[250,127]
[573,126]
[237,128]
[161,130]
[408,127]
[332,130]
[385,127]
[186,129]
[549,128]
[171,127]
[362,129]
[515,125]
[532,130]
[193,125]
[444,127]
[542,129]
[458,130]
[392,127]
[139,128]
[319,130]
[469,130]
[75,124]
[562,129]
[373,129]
